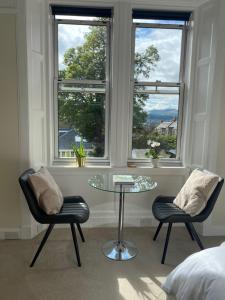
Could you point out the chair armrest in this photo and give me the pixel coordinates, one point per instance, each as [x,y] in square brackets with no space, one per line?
[164,199]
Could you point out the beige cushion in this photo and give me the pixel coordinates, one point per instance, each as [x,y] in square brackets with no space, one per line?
[50,202]
[46,190]
[195,193]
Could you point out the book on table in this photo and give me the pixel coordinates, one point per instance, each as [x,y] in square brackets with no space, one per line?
[123,180]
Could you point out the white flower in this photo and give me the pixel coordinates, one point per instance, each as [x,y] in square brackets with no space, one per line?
[149,142]
[155,144]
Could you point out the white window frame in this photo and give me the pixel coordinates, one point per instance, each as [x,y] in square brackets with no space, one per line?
[180,84]
[106,83]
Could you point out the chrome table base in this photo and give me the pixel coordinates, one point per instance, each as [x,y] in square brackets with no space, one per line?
[119,250]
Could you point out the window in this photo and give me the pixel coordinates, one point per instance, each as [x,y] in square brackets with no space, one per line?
[158,62]
[82,78]
[83,94]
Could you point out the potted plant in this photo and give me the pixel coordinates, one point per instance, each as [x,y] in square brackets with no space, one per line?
[80,153]
[153,152]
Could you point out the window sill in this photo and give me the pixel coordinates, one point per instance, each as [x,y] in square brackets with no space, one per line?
[90,170]
[164,162]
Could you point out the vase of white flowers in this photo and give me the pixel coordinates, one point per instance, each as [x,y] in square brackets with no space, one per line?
[153,152]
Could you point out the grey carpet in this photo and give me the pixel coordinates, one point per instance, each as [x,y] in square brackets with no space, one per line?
[56,275]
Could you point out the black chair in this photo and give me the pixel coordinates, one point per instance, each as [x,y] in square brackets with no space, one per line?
[166,212]
[74,210]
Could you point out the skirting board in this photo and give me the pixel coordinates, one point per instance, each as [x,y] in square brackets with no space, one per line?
[110,219]
[100,219]
[29,232]
[10,234]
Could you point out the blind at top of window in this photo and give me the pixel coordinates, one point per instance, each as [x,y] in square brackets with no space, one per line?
[161,15]
[81,11]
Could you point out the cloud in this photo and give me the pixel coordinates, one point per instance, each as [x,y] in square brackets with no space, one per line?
[70,36]
[168,44]
[156,102]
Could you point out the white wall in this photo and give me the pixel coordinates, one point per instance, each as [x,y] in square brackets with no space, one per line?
[205,96]
[210,98]
[31,31]
[104,205]
[218,220]
[10,211]
[19,153]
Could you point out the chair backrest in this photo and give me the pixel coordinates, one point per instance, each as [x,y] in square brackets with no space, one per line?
[36,211]
[203,215]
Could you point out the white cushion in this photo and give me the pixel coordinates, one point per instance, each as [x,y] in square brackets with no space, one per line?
[195,193]
[46,190]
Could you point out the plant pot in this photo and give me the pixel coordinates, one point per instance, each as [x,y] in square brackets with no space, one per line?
[155,162]
[81,161]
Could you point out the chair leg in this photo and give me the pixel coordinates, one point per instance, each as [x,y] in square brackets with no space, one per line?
[75,244]
[47,233]
[166,242]
[189,231]
[196,237]
[157,231]
[80,232]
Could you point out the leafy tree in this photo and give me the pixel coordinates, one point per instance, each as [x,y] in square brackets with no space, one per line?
[88,61]
[85,111]
[144,64]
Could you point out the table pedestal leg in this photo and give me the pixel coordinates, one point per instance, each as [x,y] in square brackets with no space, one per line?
[120,249]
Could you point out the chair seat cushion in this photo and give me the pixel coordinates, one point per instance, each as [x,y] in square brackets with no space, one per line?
[74,210]
[169,212]
[79,211]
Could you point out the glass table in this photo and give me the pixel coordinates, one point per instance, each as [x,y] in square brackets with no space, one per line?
[122,184]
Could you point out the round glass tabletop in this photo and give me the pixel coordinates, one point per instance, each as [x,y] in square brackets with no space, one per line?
[130,183]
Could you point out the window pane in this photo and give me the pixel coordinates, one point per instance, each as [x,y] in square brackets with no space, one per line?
[82,52]
[81,116]
[157,54]
[155,118]
[81,96]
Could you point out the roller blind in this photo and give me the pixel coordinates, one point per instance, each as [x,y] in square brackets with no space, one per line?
[81,11]
[161,15]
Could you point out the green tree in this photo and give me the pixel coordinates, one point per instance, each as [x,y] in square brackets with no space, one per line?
[88,61]
[85,111]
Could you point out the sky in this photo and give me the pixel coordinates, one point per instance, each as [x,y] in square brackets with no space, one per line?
[70,36]
[167,41]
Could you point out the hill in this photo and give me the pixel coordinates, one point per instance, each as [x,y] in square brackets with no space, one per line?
[157,115]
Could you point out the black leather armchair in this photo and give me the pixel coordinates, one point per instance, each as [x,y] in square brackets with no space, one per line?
[166,212]
[74,210]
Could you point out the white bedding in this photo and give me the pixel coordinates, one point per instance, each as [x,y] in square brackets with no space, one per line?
[200,277]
